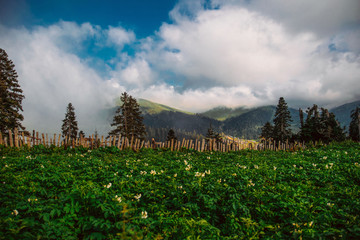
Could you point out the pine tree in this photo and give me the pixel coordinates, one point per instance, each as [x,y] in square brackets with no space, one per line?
[282,122]
[267,131]
[354,128]
[128,120]
[321,126]
[171,135]
[69,127]
[10,96]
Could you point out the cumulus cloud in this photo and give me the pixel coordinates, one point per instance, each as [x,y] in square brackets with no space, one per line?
[233,47]
[51,75]
[119,36]
[233,53]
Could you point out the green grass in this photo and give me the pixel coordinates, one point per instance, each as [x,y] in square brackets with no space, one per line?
[50,193]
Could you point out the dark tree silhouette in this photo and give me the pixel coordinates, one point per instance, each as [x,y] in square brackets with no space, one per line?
[171,135]
[282,121]
[354,127]
[267,131]
[69,127]
[128,119]
[10,96]
[321,126]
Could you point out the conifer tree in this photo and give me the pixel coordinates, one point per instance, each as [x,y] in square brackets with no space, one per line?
[69,127]
[321,126]
[128,120]
[10,96]
[354,128]
[282,121]
[171,135]
[267,131]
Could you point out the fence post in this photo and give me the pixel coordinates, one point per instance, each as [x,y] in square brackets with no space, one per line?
[10,138]
[16,139]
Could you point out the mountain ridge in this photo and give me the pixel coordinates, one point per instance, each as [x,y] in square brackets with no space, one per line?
[239,122]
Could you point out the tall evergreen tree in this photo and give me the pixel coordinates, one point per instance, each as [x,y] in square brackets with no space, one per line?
[267,131]
[282,121]
[128,119]
[354,128]
[171,135]
[10,96]
[69,127]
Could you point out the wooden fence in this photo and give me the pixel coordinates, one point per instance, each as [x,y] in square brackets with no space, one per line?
[16,139]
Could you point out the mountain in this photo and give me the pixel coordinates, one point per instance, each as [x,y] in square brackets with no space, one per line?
[149,107]
[248,125]
[239,122]
[342,113]
[223,113]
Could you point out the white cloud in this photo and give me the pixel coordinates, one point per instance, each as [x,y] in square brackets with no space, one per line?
[241,54]
[51,76]
[119,36]
[234,47]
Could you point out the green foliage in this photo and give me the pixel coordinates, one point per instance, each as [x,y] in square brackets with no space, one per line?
[156,194]
[69,127]
[10,96]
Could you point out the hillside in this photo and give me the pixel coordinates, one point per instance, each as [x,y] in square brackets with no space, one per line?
[240,122]
[149,107]
[343,112]
[223,113]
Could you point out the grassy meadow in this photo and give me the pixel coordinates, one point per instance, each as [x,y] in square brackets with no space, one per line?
[53,193]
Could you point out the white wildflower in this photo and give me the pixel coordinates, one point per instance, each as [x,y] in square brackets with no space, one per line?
[325,157]
[234,174]
[314,164]
[256,166]
[180,187]
[274,168]
[207,171]
[118,198]
[144,214]
[219,181]
[153,172]
[251,184]
[15,212]
[294,166]
[108,186]
[138,196]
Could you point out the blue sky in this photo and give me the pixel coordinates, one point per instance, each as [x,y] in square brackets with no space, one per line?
[189,54]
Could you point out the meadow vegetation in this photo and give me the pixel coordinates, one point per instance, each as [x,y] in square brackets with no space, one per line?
[105,193]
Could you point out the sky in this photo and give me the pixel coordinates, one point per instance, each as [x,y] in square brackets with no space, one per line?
[190,54]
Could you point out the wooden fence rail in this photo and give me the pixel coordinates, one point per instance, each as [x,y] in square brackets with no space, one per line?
[16,139]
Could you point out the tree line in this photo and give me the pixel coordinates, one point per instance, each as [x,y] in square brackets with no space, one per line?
[320,124]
